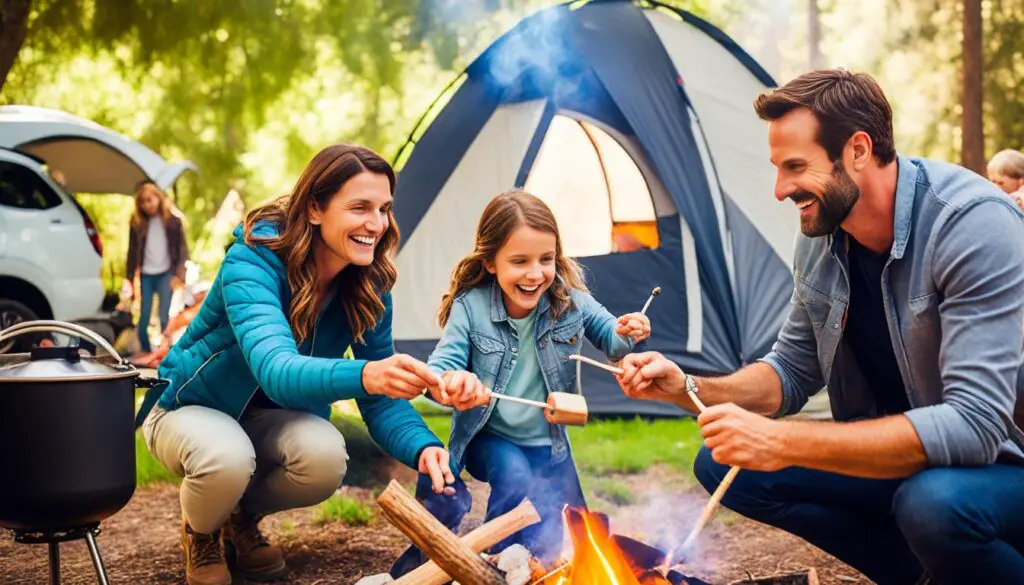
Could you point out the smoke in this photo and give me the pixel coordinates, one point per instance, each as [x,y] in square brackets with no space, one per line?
[663,519]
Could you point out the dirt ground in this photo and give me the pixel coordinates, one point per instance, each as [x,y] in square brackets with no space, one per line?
[140,544]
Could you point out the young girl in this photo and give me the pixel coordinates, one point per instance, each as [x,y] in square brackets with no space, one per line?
[245,418]
[157,252]
[516,309]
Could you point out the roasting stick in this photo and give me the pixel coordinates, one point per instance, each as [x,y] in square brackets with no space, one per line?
[612,369]
[519,400]
[716,497]
[654,293]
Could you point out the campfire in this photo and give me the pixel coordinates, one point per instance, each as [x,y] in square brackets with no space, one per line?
[598,556]
[601,558]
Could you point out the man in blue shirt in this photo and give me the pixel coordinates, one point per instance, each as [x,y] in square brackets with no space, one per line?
[908,304]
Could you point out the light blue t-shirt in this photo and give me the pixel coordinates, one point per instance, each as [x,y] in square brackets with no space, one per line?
[521,424]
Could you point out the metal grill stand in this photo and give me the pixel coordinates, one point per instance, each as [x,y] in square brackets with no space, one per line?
[53,539]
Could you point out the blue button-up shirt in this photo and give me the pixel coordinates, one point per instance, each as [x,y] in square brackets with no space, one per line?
[954,302]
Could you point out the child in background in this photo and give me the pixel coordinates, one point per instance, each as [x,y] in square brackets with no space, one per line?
[516,309]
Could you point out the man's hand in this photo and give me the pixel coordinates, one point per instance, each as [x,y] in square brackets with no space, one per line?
[652,376]
[434,462]
[636,326]
[401,376]
[743,438]
[465,390]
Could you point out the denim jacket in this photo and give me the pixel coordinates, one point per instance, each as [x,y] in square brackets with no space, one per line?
[953,290]
[480,338]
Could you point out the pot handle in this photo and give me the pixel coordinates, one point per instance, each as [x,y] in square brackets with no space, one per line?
[63,327]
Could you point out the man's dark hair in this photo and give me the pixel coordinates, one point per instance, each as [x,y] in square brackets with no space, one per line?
[843,103]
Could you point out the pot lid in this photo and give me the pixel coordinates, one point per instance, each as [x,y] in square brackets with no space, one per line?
[60,364]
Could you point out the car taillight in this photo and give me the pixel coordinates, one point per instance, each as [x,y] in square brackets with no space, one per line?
[90,228]
[94,236]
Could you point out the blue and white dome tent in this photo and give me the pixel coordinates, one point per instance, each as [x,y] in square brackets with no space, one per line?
[634,122]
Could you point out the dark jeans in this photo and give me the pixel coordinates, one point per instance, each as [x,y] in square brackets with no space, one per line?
[514,473]
[963,524]
[160,284]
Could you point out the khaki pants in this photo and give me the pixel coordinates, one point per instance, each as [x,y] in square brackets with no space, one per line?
[270,460]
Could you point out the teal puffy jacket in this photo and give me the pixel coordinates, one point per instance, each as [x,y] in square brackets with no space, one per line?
[241,341]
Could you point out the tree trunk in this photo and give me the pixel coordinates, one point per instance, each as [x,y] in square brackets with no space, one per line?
[13,27]
[814,57]
[972,154]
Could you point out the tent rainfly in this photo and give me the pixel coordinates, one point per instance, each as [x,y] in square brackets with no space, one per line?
[634,122]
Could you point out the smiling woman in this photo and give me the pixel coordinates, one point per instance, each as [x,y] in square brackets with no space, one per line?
[244,417]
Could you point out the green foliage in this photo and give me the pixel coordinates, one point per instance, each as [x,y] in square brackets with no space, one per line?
[249,91]
[148,470]
[344,509]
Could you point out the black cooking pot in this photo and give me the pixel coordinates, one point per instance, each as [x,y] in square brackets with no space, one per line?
[67,427]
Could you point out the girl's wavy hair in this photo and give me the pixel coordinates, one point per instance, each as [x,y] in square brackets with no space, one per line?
[359,287]
[500,218]
[165,211]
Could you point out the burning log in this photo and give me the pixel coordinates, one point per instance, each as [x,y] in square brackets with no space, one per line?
[479,540]
[451,554]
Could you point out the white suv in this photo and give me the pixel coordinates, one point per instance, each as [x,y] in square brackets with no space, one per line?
[50,251]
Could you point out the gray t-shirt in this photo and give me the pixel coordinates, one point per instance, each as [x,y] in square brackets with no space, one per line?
[156,258]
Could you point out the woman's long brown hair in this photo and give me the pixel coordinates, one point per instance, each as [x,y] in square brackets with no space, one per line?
[500,218]
[139,218]
[360,287]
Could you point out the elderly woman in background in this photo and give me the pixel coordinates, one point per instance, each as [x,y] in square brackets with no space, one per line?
[1006,170]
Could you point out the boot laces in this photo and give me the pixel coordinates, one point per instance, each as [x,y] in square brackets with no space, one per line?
[207,549]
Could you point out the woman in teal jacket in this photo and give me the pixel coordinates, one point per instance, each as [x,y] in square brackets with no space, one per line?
[244,419]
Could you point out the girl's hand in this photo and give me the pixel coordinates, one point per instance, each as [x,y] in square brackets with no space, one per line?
[636,326]
[400,376]
[465,390]
[434,462]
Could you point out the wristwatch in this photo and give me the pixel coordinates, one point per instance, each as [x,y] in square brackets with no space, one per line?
[691,386]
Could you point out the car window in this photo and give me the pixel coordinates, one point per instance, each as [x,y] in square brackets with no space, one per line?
[22,188]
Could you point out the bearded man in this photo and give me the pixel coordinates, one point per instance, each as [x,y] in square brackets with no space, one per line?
[908,302]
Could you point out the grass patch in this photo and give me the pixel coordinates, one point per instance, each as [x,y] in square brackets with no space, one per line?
[632,446]
[147,469]
[440,424]
[608,489]
[344,509]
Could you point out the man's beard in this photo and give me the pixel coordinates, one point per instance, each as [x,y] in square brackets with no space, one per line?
[836,200]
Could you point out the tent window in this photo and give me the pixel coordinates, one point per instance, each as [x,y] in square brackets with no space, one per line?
[595,189]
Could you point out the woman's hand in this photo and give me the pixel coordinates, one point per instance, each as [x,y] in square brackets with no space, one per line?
[636,326]
[434,462]
[465,390]
[401,376]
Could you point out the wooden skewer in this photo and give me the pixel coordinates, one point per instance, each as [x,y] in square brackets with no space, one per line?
[519,400]
[711,506]
[611,369]
[654,293]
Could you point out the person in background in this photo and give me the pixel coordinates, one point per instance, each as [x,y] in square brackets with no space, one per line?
[1006,169]
[157,252]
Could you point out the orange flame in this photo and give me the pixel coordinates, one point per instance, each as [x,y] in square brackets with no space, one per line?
[596,560]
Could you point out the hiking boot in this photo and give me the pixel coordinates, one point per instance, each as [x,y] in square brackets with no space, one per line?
[249,550]
[204,557]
